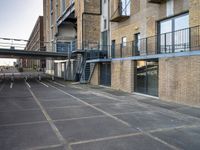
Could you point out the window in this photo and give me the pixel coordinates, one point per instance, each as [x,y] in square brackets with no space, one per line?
[137,38]
[51,19]
[63,4]
[105,23]
[64,47]
[123,41]
[174,34]
[51,5]
[146,77]
[125,7]
[170,7]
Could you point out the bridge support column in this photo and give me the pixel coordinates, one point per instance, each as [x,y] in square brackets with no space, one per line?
[65,71]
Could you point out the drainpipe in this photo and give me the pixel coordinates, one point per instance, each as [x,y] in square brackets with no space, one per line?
[109,31]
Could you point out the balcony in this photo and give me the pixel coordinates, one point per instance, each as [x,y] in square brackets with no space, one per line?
[68,15]
[121,11]
[180,41]
[156,1]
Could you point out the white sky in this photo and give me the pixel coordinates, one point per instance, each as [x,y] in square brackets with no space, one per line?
[17,19]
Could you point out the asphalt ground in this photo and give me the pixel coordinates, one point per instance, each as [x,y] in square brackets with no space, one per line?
[57,115]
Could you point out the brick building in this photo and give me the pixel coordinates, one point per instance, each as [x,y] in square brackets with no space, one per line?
[70,25]
[149,47]
[155,50]
[36,43]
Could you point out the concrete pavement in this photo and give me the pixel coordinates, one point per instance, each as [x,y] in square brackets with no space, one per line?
[55,115]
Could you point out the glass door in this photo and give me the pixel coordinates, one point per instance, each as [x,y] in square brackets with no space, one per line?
[174,34]
[146,80]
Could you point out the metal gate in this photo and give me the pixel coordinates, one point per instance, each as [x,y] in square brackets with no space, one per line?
[105,74]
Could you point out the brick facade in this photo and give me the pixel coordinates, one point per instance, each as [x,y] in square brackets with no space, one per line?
[179,79]
[122,76]
[36,43]
[95,79]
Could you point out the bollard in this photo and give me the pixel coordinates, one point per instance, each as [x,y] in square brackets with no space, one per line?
[12,78]
[52,78]
[39,77]
[26,78]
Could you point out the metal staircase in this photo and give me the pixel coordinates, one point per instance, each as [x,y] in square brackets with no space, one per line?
[87,72]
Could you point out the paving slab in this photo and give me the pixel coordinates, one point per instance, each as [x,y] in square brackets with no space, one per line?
[17,104]
[61,103]
[54,148]
[153,120]
[191,111]
[137,142]
[73,112]
[24,137]
[122,108]
[160,104]
[92,128]
[186,138]
[93,99]
[13,117]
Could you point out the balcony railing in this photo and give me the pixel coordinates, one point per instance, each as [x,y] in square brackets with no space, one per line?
[172,42]
[122,12]
[156,1]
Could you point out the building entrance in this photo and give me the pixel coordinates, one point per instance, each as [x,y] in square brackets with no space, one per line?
[146,77]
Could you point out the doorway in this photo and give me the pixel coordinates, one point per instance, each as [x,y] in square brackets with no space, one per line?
[146,77]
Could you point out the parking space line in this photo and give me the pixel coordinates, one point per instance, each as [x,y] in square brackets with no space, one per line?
[158,139]
[119,120]
[80,118]
[51,122]
[45,147]
[57,83]
[42,83]
[106,138]
[98,109]
[28,84]
[11,85]
[22,123]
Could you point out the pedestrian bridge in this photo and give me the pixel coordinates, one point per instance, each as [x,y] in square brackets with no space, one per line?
[17,48]
[16,53]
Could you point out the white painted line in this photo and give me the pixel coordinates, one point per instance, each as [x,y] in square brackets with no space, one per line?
[28,84]
[50,121]
[106,96]
[46,147]
[117,119]
[56,83]
[59,84]
[42,83]
[106,138]
[11,85]
[159,140]
[23,123]
[87,104]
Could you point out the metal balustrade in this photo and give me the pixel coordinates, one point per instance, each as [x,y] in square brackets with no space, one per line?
[172,42]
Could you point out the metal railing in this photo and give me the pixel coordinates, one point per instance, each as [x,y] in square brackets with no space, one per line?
[183,40]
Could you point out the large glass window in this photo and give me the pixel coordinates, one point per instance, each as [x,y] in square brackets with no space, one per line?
[64,47]
[123,41]
[174,34]
[146,79]
[137,38]
[104,40]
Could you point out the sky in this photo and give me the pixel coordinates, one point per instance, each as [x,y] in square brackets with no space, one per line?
[17,19]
